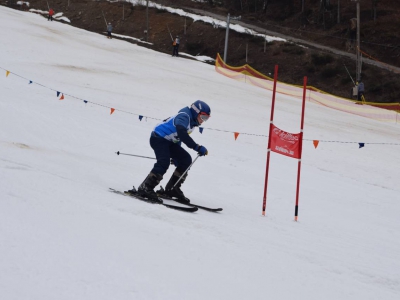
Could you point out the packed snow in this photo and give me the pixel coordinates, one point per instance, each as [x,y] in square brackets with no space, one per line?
[64,236]
[216,23]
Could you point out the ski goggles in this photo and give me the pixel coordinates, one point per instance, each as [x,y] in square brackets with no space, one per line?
[204,116]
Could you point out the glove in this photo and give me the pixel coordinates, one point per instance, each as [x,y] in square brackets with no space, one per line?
[201,150]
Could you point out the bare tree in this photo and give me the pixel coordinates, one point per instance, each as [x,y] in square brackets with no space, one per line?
[374,5]
[265,5]
[324,7]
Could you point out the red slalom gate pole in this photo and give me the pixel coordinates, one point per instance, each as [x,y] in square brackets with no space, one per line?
[269,140]
[296,209]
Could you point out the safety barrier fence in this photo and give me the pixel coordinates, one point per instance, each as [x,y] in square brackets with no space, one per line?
[385,112]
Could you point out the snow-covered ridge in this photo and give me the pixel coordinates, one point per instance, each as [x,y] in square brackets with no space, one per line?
[216,23]
[58,16]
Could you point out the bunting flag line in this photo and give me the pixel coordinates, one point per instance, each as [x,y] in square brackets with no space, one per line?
[236,134]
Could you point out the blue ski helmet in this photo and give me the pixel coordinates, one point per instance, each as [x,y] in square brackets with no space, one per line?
[200,108]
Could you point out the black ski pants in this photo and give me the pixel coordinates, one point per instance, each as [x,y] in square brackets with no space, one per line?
[175,50]
[164,151]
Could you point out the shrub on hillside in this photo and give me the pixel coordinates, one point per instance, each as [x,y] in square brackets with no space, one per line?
[321,59]
[194,46]
[329,72]
[292,49]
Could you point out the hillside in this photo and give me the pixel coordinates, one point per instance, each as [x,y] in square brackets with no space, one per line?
[64,236]
[325,70]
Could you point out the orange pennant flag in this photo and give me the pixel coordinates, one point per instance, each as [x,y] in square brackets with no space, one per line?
[315,142]
[7,72]
[62,97]
[112,110]
[236,135]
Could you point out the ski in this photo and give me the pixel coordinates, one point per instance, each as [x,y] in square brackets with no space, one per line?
[193,205]
[180,208]
[163,196]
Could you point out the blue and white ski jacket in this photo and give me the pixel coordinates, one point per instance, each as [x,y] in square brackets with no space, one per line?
[177,128]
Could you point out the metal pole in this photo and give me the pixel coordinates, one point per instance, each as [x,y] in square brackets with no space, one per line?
[265,41]
[358,42]
[119,153]
[147,20]
[226,37]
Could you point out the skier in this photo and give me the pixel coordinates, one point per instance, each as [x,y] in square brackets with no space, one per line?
[109,29]
[360,95]
[51,13]
[175,45]
[166,141]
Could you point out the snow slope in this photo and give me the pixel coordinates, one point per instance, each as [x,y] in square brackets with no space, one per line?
[64,236]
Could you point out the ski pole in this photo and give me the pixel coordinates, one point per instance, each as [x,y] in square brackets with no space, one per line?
[170,33]
[119,153]
[104,18]
[349,74]
[186,171]
[48,6]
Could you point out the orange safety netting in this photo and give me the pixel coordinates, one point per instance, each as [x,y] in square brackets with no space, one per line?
[369,110]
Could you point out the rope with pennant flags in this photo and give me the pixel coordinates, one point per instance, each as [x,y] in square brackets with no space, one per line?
[62,95]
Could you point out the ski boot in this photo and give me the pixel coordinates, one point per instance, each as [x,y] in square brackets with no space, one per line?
[146,189]
[176,192]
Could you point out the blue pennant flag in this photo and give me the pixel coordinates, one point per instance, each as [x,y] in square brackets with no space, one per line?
[360,145]
[30,81]
[85,101]
[58,94]
[201,129]
[140,118]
